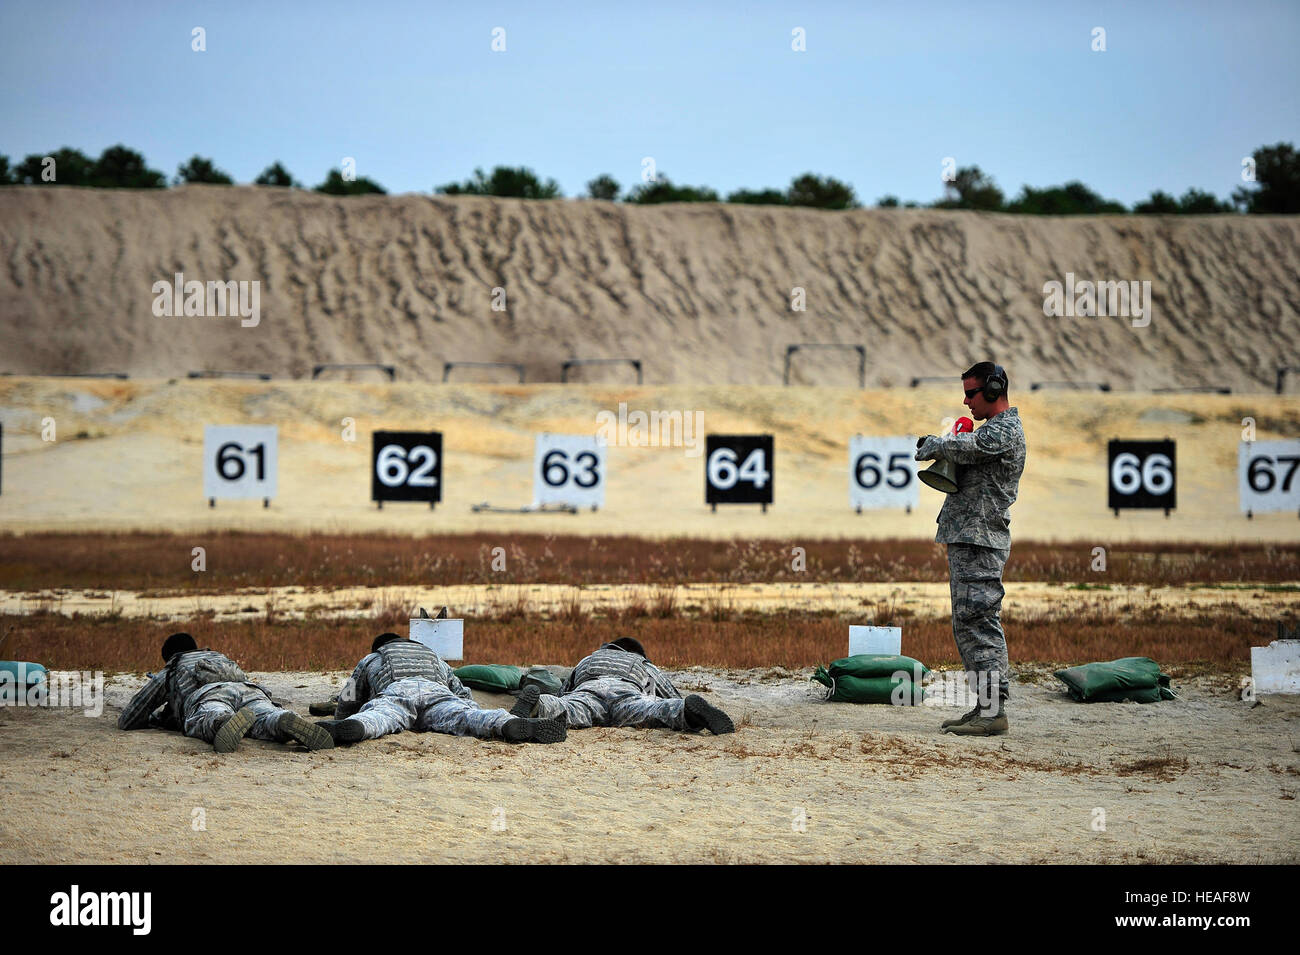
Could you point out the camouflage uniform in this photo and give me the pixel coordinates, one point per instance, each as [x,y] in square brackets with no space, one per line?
[403,686]
[615,687]
[975,524]
[199,690]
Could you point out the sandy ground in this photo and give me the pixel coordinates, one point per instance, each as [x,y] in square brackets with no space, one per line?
[925,599]
[128,455]
[873,784]
[700,292]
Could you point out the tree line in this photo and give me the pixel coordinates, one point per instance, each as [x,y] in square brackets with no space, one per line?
[1275,188]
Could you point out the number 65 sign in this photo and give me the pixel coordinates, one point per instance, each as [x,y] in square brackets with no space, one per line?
[239,462]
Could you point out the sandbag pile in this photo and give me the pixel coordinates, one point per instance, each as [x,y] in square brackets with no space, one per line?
[1130,678]
[874,678]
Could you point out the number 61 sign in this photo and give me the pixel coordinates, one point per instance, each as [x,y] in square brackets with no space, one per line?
[239,462]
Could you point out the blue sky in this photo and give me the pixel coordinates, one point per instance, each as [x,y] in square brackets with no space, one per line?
[714,92]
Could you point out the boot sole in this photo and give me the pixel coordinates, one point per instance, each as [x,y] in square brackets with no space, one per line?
[526,705]
[965,729]
[350,731]
[523,730]
[233,730]
[306,732]
[715,721]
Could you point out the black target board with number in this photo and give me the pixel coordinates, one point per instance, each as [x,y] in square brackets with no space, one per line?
[738,469]
[1142,474]
[406,466]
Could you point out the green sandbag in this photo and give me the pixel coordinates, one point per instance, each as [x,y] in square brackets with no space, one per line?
[1100,682]
[1145,694]
[490,677]
[544,679]
[874,689]
[867,665]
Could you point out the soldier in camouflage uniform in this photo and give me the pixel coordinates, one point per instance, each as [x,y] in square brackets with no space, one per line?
[207,696]
[403,685]
[975,524]
[618,686]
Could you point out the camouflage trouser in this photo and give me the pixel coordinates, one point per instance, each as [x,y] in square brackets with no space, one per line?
[975,581]
[208,708]
[609,701]
[424,705]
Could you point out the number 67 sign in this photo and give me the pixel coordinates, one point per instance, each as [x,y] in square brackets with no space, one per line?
[239,462]
[1268,476]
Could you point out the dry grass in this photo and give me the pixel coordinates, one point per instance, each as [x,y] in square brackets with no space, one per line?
[1218,640]
[161,562]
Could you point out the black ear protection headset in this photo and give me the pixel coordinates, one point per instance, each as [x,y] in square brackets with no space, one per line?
[995,385]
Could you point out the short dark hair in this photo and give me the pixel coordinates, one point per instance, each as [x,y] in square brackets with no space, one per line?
[383,638]
[981,370]
[177,643]
[630,644]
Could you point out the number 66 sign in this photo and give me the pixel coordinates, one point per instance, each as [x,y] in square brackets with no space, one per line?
[239,462]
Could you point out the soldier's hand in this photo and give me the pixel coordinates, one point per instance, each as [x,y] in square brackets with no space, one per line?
[927,448]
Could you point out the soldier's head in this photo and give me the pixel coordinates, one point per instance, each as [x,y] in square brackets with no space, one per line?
[630,644]
[384,638]
[177,643]
[986,386]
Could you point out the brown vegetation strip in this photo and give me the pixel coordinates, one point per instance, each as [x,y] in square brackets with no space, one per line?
[144,561]
[735,641]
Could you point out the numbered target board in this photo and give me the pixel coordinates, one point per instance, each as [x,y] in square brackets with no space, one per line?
[738,469]
[1142,474]
[569,469]
[406,466]
[882,473]
[1268,475]
[239,461]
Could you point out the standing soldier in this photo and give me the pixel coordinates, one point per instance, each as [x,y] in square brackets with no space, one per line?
[403,685]
[618,686]
[207,696]
[975,524]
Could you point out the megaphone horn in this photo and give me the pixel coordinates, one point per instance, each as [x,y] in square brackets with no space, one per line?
[942,475]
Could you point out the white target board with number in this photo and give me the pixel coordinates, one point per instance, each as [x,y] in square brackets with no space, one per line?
[882,473]
[569,469]
[239,461]
[1268,475]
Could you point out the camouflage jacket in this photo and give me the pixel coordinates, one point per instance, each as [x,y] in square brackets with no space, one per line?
[612,661]
[173,685]
[989,463]
[396,660]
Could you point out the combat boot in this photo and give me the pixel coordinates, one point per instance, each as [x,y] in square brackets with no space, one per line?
[526,705]
[234,729]
[525,730]
[344,731]
[701,714]
[312,735]
[964,718]
[977,725]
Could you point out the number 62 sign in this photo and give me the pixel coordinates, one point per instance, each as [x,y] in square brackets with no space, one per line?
[239,462]
[406,466]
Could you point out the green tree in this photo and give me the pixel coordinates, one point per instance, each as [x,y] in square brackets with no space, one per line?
[663,190]
[1071,199]
[887,202]
[1160,203]
[120,168]
[820,192]
[7,176]
[71,168]
[199,169]
[758,197]
[971,189]
[276,175]
[1198,202]
[511,182]
[604,186]
[336,185]
[1277,182]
